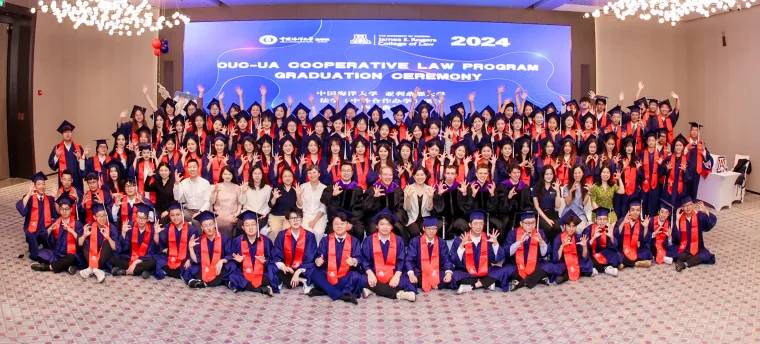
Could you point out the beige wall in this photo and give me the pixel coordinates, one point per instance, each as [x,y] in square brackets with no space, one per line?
[582,31]
[714,82]
[4,167]
[86,77]
[724,84]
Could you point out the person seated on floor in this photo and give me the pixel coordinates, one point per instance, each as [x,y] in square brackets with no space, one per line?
[137,247]
[294,252]
[427,256]
[383,261]
[173,241]
[570,251]
[210,257]
[663,249]
[95,194]
[529,251]
[692,223]
[475,253]
[253,253]
[99,240]
[62,239]
[38,210]
[604,253]
[338,265]
[633,237]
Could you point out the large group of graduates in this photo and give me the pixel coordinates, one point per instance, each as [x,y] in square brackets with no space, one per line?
[349,201]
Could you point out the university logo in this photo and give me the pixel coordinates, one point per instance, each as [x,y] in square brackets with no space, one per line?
[360,38]
[268,39]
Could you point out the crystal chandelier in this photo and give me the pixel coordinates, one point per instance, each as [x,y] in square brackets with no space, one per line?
[671,11]
[113,16]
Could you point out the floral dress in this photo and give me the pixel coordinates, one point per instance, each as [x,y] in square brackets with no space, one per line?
[603,198]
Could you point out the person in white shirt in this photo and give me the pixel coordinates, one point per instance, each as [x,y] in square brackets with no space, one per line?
[255,196]
[314,212]
[194,192]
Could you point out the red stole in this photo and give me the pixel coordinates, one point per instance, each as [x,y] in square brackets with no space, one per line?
[125,212]
[469,257]
[433,167]
[88,203]
[93,253]
[563,170]
[72,192]
[631,240]
[171,160]
[335,170]
[36,213]
[208,268]
[666,123]
[570,254]
[62,156]
[698,160]
[650,183]
[290,261]
[659,240]
[384,267]
[526,268]
[603,238]
[216,168]
[461,172]
[253,269]
[71,244]
[142,249]
[175,256]
[672,176]
[246,170]
[333,273]
[141,178]
[362,169]
[629,178]
[310,159]
[119,156]
[430,264]
[98,168]
[637,136]
[694,244]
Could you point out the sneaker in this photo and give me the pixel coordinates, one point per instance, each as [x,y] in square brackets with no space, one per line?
[192,283]
[366,293]
[307,288]
[406,295]
[40,267]
[268,291]
[594,272]
[611,270]
[349,298]
[667,260]
[544,281]
[86,273]
[72,270]
[145,275]
[492,287]
[464,288]
[515,285]
[99,274]
[116,271]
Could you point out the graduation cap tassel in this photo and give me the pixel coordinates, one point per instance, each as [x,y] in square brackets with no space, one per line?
[443,228]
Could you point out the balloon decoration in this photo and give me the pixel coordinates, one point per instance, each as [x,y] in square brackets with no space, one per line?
[160,46]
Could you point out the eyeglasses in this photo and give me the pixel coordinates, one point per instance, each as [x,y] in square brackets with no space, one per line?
[294,218]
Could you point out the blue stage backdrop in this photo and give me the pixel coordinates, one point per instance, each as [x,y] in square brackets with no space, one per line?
[381,59]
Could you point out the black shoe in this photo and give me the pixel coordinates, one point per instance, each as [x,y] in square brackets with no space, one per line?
[516,285]
[316,292]
[349,298]
[116,271]
[145,275]
[72,270]
[560,279]
[544,281]
[268,291]
[192,283]
[680,266]
[40,267]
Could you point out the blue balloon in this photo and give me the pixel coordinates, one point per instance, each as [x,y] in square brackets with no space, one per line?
[164,46]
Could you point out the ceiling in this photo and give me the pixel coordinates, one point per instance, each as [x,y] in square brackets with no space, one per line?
[564,5]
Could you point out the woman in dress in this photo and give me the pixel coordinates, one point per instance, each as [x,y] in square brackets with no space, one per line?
[225,201]
[603,192]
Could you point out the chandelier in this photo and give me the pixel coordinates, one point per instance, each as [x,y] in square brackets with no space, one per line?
[118,17]
[671,11]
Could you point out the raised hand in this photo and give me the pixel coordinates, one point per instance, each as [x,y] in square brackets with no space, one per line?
[379,192]
[239,91]
[463,188]
[290,100]
[645,222]
[193,241]
[500,89]
[471,97]
[337,190]
[263,91]
[311,99]
[641,85]
[221,96]
[584,240]
[494,237]
[200,90]
[465,240]
[276,194]
[319,261]
[673,95]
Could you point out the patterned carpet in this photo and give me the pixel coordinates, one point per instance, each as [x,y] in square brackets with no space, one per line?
[707,304]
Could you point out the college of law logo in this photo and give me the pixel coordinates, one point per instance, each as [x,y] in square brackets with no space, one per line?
[360,38]
[268,39]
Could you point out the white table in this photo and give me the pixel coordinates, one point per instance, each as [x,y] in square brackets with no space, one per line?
[718,189]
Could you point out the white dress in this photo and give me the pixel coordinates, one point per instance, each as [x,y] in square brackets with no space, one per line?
[311,207]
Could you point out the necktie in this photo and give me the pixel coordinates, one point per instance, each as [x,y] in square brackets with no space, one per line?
[430,249]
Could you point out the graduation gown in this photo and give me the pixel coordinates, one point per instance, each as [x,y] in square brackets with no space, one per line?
[93,165]
[412,261]
[482,200]
[350,200]
[162,252]
[674,195]
[368,261]
[195,267]
[113,233]
[125,242]
[58,244]
[560,265]
[651,186]
[494,256]
[130,211]
[309,252]
[644,240]
[351,282]
[72,164]
[668,247]
[449,206]
[38,236]
[85,209]
[705,223]
[393,200]
[543,261]
[237,277]
[697,161]
[632,180]
[607,249]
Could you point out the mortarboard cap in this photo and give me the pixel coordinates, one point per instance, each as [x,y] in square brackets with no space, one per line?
[174,206]
[135,109]
[99,142]
[430,221]
[634,108]
[248,215]
[376,108]
[243,115]
[64,198]
[477,214]
[600,99]
[527,215]
[696,125]
[213,101]
[65,125]
[205,216]
[601,211]
[300,106]
[98,207]
[399,107]
[456,106]
[616,110]
[387,212]
[319,118]
[142,208]
[250,108]
[38,176]
[570,217]
[327,107]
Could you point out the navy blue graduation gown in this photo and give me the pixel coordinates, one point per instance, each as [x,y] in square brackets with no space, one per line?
[89,167]
[705,223]
[644,251]
[651,197]
[674,196]
[412,262]
[195,266]
[309,252]
[113,233]
[40,236]
[706,164]
[542,260]
[125,242]
[162,252]
[499,273]
[351,283]
[368,261]
[59,245]
[608,250]
[72,164]
[237,277]
[560,266]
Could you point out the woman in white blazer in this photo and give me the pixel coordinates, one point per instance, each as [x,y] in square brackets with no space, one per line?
[418,201]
